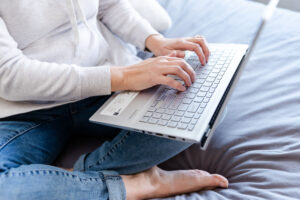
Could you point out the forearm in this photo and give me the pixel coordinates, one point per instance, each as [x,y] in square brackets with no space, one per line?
[22,79]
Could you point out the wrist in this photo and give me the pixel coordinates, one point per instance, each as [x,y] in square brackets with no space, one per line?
[153,42]
[117,79]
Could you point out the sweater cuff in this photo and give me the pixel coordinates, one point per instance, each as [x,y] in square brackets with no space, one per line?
[95,81]
[143,30]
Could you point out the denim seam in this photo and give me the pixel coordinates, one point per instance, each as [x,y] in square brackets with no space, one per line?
[25,131]
[18,135]
[111,150]
[51,172]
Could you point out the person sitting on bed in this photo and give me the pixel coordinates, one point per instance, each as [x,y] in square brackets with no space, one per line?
[59,62]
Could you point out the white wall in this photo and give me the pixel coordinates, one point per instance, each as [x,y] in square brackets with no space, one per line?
[290,4]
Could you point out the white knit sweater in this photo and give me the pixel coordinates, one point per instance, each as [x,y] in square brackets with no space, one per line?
[56,52]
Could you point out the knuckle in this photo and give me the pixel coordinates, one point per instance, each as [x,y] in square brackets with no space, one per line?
[180,41]
[169,82]
[178,69]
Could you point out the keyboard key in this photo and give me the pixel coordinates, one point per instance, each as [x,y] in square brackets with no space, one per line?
[175,118]
[189,115]
[187,101]
[208,84]
[148,114]
[200,80]
[212,90]
[219,77]
[182,126]
[161,110]
[183,107]
[221,62]
[172,124]
[214,85]
[156,115]
[198,99]
[210,79]
[193,90]
[163,122]
[196,85]
[175,104]
[166,117]
[215,71]
[214,74]
[204,89]
[151,109]
[206,100]
[170,112]
[203,105]
[193,107]
[186,120]
[209,95]
[191,127]
[153,121]
[180,95]
[200,110]
[218,66]
[144,119]
[191,95]
[179,113]
[194,121]
[154,103]
[201,94]
[197,116]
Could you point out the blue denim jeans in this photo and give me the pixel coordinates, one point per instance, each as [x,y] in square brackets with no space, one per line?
[30,142]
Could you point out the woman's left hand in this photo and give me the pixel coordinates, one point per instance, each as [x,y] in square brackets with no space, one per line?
[162,46]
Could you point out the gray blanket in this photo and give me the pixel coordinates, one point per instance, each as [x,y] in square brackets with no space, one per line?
[257,146]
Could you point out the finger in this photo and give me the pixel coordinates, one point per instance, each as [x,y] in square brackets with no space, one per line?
[186,67]
[172,54]
[183,64]
[177,53]
[178,71]
[180,54]
[191,46]
[166,80]
[202,42]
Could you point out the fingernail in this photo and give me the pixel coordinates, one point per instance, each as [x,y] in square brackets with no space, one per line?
[182,88]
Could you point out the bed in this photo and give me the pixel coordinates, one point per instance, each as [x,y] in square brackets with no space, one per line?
[257,146]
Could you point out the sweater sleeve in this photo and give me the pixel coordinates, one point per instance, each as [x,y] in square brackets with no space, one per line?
[122,19]
[25,79]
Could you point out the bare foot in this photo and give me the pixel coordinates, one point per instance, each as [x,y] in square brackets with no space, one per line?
[157,183]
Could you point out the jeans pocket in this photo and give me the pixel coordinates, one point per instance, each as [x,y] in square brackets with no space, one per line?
[9,130]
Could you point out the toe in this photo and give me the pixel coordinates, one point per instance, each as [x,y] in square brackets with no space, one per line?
[219,180]
[212,181]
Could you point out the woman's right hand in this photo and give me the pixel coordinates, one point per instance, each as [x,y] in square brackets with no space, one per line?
[151,72]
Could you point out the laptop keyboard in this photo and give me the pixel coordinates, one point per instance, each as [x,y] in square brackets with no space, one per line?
[182,110]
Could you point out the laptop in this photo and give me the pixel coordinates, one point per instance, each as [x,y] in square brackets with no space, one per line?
[190,116]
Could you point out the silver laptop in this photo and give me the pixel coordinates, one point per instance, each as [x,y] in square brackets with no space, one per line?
[190,116]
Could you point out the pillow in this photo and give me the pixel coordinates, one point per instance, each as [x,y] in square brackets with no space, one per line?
[152,11]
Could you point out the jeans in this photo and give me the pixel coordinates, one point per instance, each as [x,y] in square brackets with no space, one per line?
[30,143]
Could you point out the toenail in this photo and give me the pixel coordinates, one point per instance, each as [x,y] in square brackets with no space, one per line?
[223,184]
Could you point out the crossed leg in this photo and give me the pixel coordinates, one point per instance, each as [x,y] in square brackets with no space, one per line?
[28,145]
